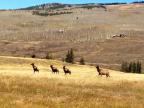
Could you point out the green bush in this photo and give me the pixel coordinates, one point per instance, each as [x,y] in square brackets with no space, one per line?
[33,56]
[82,61]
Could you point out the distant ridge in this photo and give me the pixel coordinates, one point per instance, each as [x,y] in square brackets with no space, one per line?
[53,6]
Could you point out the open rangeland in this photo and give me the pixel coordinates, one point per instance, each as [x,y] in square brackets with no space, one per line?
[21,88]
[23,34]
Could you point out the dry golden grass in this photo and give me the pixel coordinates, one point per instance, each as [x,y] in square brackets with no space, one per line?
[20,88]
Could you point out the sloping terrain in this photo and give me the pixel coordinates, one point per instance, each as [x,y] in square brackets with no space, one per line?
[15,66]
[21,88]
[23,34]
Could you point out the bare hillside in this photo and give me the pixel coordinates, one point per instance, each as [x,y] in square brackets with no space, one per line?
[88,31]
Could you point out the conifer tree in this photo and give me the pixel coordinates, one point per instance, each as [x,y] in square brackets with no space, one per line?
[70,56]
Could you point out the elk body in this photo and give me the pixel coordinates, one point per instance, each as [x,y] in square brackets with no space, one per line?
[54,69]
[66,70]
[35,69]
[102,72]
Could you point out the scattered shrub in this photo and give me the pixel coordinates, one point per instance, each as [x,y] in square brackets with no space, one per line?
[33,56]
[82,61]
[49,56]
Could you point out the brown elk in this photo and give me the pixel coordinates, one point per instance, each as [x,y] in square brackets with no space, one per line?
[66,70]
[54,69]
[102,72]
[120,35]
[35,69]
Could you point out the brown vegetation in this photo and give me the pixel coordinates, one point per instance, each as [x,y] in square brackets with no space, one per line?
[23,34]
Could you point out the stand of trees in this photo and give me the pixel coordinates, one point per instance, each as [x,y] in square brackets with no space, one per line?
[132,67]
[138,2]
[70,56]
[45,13]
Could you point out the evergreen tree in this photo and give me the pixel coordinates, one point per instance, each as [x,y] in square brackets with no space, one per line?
[138,67]
[70,56]
[134,67]
[67,59]
[130,69]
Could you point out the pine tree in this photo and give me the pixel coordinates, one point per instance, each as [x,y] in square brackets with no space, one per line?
[138,67]
[67,59]
[130,69]
[70,56]
[134,67]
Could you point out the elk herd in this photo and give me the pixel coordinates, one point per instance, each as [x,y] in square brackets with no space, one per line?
[66,71]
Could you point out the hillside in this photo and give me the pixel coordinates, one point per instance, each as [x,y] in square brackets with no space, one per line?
[20,88]
[23,34]
[56,6]
[17,66]
[104,35]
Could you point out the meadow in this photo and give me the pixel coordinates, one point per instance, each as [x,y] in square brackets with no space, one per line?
[21,88]
[90,34]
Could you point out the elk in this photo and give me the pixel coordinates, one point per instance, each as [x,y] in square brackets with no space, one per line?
[120,35]
[102,72]
[54,69]
[61,31]
[66,70]
[35,69]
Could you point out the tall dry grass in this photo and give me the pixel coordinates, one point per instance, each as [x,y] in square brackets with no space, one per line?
[20,88]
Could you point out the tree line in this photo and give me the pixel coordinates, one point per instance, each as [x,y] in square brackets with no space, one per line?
[131,67]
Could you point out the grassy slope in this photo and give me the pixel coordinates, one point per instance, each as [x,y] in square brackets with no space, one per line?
[20,88]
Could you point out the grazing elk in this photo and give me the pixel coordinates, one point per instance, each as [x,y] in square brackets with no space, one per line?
[102,72]
[66,70]
[120,35]
[54,69]
[35,69]
[77,18]
[61,31]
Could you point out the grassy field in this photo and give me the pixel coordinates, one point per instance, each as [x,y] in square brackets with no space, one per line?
[20,88]
[23,34]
